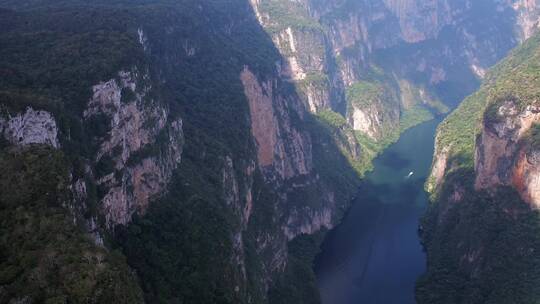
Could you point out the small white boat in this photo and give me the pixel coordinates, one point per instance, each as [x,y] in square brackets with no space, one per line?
[410,174]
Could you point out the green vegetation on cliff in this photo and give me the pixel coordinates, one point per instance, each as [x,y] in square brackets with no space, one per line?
[181,248]
[284,14]
[482,246]
[49,60]
[359,151]
[380,98]
[481,249]
[414,116]
[365,93]
[187,248]
[54,58]
[318,81]
[393,105]
[44,256]
[298,285]
[515,77]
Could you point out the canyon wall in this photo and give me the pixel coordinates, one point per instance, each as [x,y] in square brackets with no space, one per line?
[425,55]
[175,142]
[196,141]
[484,181]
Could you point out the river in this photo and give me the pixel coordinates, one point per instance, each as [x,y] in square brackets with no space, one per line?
[374,256]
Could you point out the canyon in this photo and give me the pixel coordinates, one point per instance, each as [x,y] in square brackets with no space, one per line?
[216,143]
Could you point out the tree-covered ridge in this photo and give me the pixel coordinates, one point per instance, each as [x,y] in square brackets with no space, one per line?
[49,61]
[363,93]
[60,54]
[44,256]
[517,75]
[482,245]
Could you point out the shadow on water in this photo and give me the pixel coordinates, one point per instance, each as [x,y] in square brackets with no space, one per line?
[374,255]
[394,159]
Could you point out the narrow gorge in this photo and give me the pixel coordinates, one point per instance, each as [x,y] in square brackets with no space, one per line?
[268,151]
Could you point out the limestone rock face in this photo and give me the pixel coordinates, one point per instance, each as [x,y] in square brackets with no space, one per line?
[136,123]
[526,177]
[279,144]
[504,154]
[420,20]
[528,17]
[285,159]
[297,222]
[438,169]
[30,127]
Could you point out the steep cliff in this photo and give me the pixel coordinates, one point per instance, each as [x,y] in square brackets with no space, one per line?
[527,16]
[52,243]
[482,231]
[340,53]
[128,172]
[189,159]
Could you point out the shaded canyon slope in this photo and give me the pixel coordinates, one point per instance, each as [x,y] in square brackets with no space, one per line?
[151,151]
[482,233]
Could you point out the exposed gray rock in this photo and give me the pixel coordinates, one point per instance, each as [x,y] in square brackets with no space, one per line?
[30,127]
[528,17]
[136,124]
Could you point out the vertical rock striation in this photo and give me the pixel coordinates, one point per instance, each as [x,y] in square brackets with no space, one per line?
[528,17]
[485,179]
[136,122]
[504,154]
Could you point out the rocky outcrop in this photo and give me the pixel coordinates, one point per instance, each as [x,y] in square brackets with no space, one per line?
[295,44]
[376,116]
[30,127]
[140,151]
[366,122]
[526,177]
[438,169]
[143,40]
[496,147]
[505,155]
[528,17]
[309,221]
